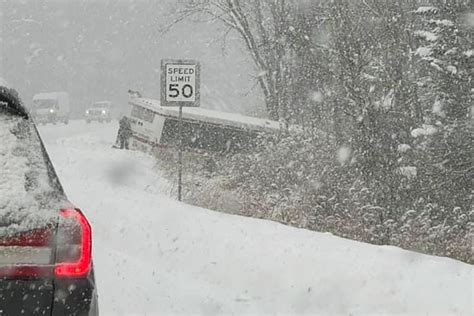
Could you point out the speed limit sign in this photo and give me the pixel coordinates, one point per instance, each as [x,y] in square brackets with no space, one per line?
[180,87]
[180,83]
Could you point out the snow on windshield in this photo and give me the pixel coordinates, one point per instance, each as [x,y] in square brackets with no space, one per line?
[28,199]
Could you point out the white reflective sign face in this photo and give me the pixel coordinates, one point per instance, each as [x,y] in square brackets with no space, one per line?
[180,83]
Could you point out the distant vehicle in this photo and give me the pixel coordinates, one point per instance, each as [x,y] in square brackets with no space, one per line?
[202,129]
[101,111]
[51,107]
[46,263]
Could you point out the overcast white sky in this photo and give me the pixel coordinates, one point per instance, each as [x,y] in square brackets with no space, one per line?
[98,49]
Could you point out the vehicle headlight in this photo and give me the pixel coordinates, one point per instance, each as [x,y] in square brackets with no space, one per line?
[87,111]
[104,112]
[51,110]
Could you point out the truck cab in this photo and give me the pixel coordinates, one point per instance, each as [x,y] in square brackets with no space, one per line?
[100,111]
[52,107]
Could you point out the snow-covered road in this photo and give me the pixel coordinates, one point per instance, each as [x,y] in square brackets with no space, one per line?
[155,256]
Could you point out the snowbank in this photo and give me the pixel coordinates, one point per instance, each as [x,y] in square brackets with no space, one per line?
[155,256]
[424,51]
[425,130]
[429,36]
[426,9]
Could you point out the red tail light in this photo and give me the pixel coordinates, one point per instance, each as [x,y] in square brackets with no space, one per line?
[74,252]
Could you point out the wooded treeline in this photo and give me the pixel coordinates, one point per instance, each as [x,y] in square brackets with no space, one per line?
[376,97]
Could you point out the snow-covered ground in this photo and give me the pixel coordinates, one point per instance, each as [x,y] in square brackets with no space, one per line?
[155,256]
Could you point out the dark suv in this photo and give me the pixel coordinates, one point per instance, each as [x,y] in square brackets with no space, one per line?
[45,243]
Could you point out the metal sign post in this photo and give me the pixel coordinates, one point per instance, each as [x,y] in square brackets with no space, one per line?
[180,152]
[180,81]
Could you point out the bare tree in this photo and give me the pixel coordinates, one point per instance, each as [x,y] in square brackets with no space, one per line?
[265,28]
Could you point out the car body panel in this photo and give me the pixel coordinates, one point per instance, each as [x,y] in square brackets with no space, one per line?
[26,297]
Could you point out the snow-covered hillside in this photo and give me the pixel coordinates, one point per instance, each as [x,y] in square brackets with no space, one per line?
[155,256]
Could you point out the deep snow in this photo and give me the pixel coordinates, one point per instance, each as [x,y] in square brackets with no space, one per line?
[155,256]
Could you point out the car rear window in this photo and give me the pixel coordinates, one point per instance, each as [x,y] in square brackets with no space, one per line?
[28,198]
